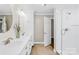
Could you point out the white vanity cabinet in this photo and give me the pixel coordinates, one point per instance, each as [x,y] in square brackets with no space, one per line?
[27,48]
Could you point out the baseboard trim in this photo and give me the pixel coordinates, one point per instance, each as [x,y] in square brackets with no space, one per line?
[38,42]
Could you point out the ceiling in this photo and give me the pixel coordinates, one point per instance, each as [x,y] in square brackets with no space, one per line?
[37,7]
[47,8]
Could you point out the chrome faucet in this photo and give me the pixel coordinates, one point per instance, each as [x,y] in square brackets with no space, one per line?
[7,41]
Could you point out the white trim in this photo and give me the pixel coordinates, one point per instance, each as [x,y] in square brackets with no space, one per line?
[44,13]
[38,42]
[55,39]
[54,30]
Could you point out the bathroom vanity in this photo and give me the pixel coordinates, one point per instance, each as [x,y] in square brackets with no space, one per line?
[18,27]
[27,46]
[20,46]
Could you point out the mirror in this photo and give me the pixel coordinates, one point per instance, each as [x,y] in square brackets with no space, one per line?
[5,18]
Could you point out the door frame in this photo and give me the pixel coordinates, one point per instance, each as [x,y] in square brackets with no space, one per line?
[54,29]
[55,20]
[41,14]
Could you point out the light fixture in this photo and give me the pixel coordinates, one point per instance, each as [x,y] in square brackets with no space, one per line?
[20,12]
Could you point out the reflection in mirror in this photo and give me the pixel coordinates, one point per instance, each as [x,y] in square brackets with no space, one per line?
[5,19]
[5,23]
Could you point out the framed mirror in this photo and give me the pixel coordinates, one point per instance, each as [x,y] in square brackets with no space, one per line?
[5,18]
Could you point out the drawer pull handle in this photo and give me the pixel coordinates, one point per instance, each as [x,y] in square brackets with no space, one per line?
[26,53]
[25,47]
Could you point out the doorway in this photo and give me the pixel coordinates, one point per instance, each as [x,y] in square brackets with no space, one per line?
[49,30]
[52,32]
[44,31]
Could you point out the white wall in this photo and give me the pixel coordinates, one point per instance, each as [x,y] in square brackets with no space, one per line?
[26,20]
[39,28]
[27,23]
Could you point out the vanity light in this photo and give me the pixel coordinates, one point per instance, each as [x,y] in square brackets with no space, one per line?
[20,12]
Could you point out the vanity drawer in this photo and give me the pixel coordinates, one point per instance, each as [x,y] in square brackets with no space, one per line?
[23,52]
[27,49]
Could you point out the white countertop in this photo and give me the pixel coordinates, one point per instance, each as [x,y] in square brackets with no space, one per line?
[15,47]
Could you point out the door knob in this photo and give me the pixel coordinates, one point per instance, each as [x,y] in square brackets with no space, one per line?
[66,29]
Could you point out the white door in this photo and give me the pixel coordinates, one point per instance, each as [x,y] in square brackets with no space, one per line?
[47,31]
[57,30]
[70,31]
